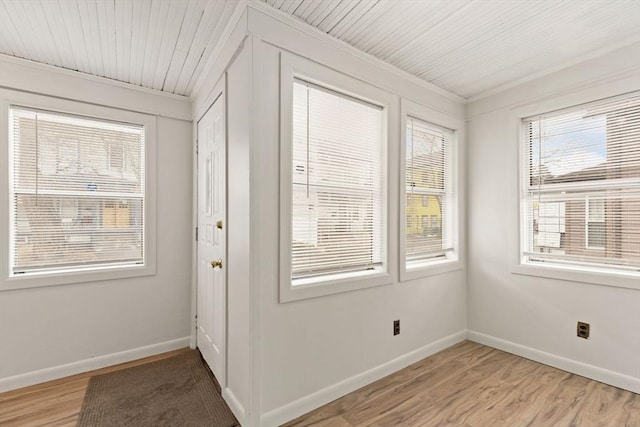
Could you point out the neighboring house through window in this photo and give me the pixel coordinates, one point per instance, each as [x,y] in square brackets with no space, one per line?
[595,224]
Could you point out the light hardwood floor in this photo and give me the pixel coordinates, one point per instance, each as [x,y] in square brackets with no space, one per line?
[473,385]
[57,403]
[465,385]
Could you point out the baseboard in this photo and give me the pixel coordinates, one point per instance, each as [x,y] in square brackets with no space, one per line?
[312,401]
[61,371]
[235,405]
[583,369]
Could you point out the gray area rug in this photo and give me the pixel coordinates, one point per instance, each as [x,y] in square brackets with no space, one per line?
[178,391]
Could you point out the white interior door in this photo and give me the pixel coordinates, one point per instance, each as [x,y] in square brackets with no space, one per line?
[212,284]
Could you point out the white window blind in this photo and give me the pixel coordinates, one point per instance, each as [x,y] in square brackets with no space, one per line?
[77,192]
[338,203]
[428,191]
[581,190]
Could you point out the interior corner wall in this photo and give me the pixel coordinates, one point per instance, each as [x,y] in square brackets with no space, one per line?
[55,331]
[534,316]
[314,350]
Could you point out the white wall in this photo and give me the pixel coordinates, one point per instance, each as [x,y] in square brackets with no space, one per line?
[238,229]
[315,350]
[54,331]
[535,316]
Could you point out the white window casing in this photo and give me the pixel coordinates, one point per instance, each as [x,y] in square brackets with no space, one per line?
[79,192]
[335,175]
[580,190]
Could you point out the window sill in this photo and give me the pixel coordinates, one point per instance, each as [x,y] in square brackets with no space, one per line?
[68,277]
[420,269]
[629,280]
[332,284]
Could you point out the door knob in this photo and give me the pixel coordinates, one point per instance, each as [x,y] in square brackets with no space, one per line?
[217,263]
[219,225]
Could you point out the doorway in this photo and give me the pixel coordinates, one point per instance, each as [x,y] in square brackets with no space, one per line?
[211,307]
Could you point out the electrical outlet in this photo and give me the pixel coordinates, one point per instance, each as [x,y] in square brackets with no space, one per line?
[583,330]
[396,327]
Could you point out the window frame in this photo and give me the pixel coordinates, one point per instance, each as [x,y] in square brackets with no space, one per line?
[9,98]
[294,67]
[518,238]
[455,259]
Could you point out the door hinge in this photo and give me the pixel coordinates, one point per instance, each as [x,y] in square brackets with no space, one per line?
[196,234]
[196,146]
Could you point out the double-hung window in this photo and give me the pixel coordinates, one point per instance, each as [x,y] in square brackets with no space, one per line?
[338,198]
[430,227]
[580,206]
[428,191]
[334,182]
[76,193]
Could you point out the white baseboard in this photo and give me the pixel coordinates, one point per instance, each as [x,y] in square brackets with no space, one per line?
[606,376]
[235,405]
[312,401]
[61,371]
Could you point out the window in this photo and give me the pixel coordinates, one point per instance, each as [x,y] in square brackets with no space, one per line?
[595,230]
[338,177]
[428,160]
[581,187]
[338,197]
[76,191]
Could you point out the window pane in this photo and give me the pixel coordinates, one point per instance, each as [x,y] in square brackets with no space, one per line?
[338,202]
[77,193]
[424,227]
[596,235]
[428,190]
[583,195]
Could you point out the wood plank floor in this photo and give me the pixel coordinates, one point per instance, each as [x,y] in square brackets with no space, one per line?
[464,385]
[57,403]
[473,385]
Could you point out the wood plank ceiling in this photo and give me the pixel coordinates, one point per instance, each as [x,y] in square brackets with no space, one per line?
[158,44]
[468,47]
[473,47]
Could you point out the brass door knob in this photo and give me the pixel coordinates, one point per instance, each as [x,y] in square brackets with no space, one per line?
[217,263]
[219,225]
